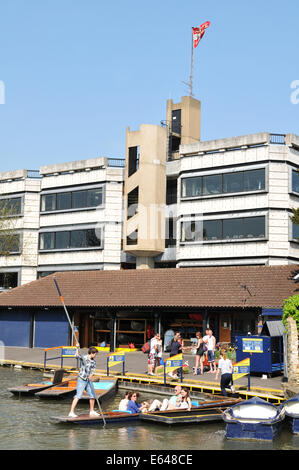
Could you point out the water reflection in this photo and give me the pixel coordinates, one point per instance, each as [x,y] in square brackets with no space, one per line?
[27,423]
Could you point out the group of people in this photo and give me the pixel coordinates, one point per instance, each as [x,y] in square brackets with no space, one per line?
[180,400]
[206,344]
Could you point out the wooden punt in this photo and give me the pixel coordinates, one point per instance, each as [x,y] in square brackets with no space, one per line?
[111,417]
[32,389]
[204,412]
[104,389]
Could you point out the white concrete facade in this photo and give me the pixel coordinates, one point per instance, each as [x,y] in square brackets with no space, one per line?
[101,224]
[273,201]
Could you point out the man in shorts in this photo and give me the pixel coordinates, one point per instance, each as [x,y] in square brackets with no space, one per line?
[88,365]
[211,351]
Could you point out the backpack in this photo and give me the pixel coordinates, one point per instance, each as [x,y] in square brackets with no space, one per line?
[146,348]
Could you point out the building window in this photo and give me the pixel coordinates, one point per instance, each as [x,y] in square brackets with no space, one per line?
[212,230]
[70,239]
[295,181]
[10,243]
[10,206]
[211,185]
[132,207]
[295,231]
[233,182]
[134,156]
[170,233]
[8,280]
[132,239]
[225,183]
[65,201]
[224,229]
[176,121]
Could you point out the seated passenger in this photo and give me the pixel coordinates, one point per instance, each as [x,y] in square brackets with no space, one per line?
[123,404]
[135,407]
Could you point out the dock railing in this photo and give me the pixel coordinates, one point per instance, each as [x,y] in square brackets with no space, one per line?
[65,352]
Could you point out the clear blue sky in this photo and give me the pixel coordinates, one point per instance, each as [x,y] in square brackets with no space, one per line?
[78,72]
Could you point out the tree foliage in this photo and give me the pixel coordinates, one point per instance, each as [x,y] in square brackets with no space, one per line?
[291,309]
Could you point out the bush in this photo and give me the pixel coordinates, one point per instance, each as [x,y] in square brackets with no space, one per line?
[291,309]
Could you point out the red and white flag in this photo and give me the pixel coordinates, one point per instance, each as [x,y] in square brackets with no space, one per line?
[199,32]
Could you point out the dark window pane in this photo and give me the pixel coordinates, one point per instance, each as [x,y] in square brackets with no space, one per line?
[191,186]
[95,197]
[9,243]
[46,241]
[212,230]
[212,184]
[191,231]
[8,280]
[295,231]
[63,201]
[295,181]
[62,240]
[176,121]
[78,239]
[93,238]
[254,227]
[133,160]
[233,182]
[48,202]
[254,180]
[79,199]
[132,239]
[233,228]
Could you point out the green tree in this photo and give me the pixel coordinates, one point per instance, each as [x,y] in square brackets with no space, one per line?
[291,309]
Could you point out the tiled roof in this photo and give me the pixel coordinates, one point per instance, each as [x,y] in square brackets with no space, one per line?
[247,286]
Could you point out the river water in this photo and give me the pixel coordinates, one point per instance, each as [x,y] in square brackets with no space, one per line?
[26,424]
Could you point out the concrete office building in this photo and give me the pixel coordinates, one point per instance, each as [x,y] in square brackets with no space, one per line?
[228,201]
[66,217]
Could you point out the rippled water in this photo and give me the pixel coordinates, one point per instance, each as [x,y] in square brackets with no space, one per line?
[25,423]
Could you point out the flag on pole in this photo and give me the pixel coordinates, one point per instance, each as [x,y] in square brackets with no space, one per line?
[198,32]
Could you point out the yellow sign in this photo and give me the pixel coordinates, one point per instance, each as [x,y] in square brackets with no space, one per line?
[115,358]
[241,368]
[173,363]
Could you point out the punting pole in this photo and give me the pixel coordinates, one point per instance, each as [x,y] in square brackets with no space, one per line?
[78,345]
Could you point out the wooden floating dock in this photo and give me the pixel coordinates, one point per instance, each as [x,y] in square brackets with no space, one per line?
[271,395]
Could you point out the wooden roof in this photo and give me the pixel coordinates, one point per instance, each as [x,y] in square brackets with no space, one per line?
[247,286]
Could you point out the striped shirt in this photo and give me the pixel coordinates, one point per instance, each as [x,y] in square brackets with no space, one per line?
[87,367]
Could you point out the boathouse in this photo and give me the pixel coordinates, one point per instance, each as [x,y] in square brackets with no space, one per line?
[126,306]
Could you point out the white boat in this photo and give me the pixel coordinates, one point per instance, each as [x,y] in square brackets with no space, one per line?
[291,408]
[253,419]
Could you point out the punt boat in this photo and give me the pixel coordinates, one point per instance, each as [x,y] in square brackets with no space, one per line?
[253,419]
[203,412]
[32,389]
[291,408]
[103,389]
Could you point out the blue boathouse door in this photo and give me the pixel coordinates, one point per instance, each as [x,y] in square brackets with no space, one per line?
[15,328]
[51,329]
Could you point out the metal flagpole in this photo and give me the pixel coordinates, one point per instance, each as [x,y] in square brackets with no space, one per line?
[77,345]
[192,65]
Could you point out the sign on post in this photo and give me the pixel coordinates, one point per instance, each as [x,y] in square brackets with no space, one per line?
[68,351]
[115,358]
[173,363]
[242,368]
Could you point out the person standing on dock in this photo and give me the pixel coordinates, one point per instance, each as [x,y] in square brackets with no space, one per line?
[226,367]
[155,348]
[86,373]
[211,344]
